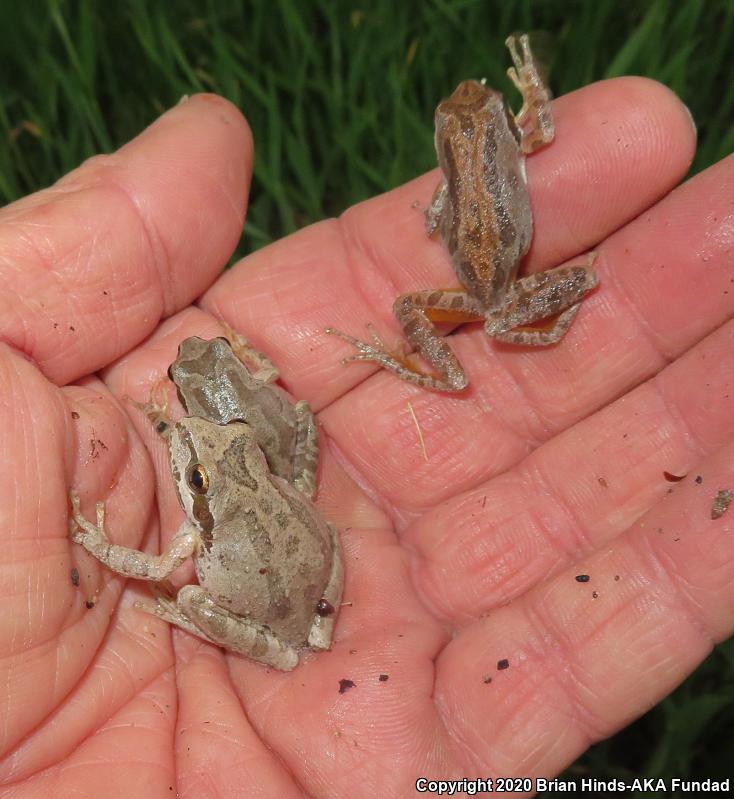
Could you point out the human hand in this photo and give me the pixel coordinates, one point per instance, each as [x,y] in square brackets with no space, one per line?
[478,511]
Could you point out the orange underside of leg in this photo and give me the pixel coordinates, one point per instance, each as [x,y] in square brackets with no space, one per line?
[441,315]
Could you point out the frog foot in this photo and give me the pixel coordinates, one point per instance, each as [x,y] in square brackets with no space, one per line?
[166,609]
[377,351]
[405,366]
[156,408]
[83,531]
[524,73]
[535,111]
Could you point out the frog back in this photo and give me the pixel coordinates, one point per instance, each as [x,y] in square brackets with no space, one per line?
[214,384]
[268,559]
[487,221]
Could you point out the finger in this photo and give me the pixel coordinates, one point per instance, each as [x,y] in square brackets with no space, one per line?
[34,554]
[626,143]
[139,733]
[350,272]
[92,264]
[577,492]
[585,658]
[216,744]
[123,662]
[57,603]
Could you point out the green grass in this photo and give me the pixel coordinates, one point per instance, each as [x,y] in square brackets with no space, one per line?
[340,97]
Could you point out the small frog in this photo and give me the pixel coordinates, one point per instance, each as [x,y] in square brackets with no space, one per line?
[481,210]
[213,382]
[269,568]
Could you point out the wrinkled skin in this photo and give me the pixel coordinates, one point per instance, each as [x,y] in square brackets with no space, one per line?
[460,551]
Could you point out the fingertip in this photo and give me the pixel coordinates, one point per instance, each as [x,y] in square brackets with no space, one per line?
[642,115]
[226,127]
[652,108]
[621,144]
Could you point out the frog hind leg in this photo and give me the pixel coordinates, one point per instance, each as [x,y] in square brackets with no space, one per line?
[543,295]
[167,610]
[306,440]
[542,337]
[416,313]
[196,612]
[322,629]
[306,450]
[265,370]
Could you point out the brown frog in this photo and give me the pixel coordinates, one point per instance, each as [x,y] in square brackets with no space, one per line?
[481,209]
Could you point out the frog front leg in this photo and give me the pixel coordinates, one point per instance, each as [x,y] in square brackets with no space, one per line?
[416,313]
[540,296]
[196,612]
[534,118]
[126,561]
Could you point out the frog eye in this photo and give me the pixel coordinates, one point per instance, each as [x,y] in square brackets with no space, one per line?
[198,479]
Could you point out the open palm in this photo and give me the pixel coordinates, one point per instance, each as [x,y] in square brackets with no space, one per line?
[466,647]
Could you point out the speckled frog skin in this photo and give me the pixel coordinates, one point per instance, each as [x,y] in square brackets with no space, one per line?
[269,567]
